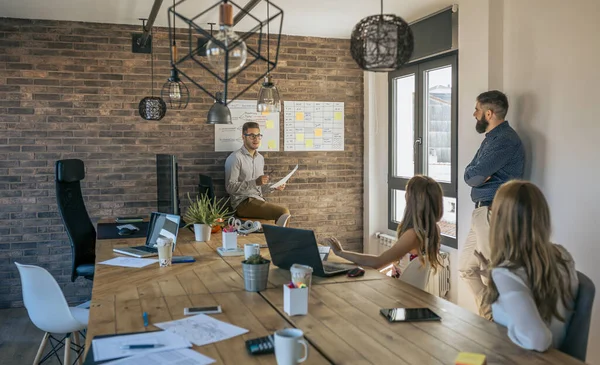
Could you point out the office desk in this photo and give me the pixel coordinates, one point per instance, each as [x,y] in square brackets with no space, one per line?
[343,325]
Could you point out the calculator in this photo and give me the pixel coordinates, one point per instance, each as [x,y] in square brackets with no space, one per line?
[261,345]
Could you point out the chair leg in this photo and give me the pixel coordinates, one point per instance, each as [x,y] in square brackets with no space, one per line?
[40,352]
[67,360]
[77,342]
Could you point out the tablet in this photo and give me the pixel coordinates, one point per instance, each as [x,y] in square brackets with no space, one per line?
[409,314]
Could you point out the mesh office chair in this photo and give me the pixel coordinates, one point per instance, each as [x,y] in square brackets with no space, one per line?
[576,338]
[80,229]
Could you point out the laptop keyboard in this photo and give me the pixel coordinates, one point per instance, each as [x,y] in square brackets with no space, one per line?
[146,249]
[335,266]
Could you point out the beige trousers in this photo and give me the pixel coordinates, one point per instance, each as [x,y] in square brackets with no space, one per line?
[255,208]
[468,265]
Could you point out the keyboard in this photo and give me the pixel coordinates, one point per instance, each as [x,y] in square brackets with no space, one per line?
[145,249]
[336,266]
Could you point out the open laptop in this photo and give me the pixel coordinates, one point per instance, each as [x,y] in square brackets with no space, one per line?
[289,246]
[161,225]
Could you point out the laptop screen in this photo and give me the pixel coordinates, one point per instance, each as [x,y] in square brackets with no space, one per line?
[162,225]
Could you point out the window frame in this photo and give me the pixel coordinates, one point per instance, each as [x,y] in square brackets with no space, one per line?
[419,69]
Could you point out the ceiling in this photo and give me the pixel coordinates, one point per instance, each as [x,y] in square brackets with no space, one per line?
[319,18]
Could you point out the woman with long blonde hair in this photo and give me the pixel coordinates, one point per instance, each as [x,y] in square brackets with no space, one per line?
[418,232]
[533,282]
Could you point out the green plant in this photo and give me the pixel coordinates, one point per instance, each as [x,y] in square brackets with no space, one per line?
[256,260]
[206,211]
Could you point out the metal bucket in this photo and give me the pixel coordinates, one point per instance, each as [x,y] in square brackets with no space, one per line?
[256,276]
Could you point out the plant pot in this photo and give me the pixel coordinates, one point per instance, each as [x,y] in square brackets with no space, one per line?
[202,232]
[256,277]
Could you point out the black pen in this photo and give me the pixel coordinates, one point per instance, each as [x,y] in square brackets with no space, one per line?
[142,346]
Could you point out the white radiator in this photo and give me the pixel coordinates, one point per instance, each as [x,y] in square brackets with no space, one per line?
[439,282]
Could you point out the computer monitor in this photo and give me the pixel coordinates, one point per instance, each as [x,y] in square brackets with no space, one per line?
[167,184]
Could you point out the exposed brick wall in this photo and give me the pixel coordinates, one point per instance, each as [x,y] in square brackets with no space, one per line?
[71,90]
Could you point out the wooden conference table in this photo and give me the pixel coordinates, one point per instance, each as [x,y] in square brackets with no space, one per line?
[343,325]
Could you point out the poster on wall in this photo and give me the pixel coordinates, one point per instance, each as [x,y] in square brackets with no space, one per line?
[313,126]
[228,137]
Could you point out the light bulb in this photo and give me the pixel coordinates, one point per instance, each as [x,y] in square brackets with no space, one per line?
[175,93]
[268,97]
[237,55]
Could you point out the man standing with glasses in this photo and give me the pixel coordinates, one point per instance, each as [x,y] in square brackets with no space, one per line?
[500,158]
[246,182]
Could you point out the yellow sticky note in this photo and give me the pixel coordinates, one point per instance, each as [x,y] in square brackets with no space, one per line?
[300,116]
[300,137]
[265,113]
[318,132]
[309,143]
[466,358]
[272,144]
[337,115]
[270,124]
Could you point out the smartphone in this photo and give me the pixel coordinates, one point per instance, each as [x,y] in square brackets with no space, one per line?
[409,314]
[202,310]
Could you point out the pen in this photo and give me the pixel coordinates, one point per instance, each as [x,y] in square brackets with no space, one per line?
[141,346]
[145,316]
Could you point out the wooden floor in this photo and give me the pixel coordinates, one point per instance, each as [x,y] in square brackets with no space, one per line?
[20,339]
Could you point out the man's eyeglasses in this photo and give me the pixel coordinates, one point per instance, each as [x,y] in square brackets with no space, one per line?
[253,136]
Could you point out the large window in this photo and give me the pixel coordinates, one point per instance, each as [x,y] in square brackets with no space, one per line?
[423,135]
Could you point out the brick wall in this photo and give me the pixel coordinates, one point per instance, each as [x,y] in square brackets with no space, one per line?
[71,90]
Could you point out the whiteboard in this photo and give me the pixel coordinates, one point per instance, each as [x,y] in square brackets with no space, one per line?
[228,137]
[313,126]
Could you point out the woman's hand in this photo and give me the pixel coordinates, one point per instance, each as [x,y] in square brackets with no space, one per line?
[483,264]
[335,245]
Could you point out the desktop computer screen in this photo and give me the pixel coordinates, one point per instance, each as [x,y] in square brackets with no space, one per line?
[167,184]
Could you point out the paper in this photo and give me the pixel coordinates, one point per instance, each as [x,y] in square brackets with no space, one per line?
[172,357]
[323,122]
[300,116]
[337,116]
[128,226]
[300,137]
[285,179]
[270,124]
[309,143]
[272,144]
[109,348]
[202,329]
[318,132]
[129,262]
[324,252]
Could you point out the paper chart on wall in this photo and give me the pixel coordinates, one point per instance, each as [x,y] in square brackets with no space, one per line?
[228,137]
[313,126]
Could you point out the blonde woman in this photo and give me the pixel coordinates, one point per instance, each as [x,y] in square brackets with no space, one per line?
[418,232]
[533,281]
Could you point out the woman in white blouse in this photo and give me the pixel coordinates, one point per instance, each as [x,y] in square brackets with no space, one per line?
[533,281]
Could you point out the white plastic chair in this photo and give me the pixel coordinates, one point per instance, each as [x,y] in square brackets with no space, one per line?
[416,274]
[49,311]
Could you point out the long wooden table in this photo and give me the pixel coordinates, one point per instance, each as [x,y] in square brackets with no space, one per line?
[343,325]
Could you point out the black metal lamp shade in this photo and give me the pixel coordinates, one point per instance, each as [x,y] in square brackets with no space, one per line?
[152,108]
[218,112]
[381,43]
[175,92]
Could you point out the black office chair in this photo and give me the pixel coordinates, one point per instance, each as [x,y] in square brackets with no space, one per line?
[576,338]
[75,217]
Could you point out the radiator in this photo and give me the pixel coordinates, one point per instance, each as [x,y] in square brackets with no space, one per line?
[439,282]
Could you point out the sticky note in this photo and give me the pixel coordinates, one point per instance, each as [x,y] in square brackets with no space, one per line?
[270,124]
[466,358]
[319,132]
[337,115]
[309,143]
[271,144]
[300,137]
[265,113]
[300,116]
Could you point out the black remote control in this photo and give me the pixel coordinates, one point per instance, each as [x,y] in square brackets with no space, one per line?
[261,345]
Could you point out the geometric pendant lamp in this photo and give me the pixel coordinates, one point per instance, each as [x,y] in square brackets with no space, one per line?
[151,107]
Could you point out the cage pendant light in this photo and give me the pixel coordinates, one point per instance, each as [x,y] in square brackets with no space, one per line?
[151,107]
[381,43]
[268,96]
[174,91]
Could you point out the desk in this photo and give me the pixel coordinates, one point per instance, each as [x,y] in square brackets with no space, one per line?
[343,325]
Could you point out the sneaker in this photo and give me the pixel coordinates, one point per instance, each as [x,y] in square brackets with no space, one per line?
[283,220]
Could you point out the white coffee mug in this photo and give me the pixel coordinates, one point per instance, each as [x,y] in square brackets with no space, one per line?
[287,346]
[251,249]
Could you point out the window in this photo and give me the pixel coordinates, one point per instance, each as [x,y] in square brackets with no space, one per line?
[423,135]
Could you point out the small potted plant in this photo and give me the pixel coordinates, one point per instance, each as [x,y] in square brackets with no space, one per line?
[256,273]
[202,214]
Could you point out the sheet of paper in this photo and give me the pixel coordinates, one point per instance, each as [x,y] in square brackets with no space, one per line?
[129,262]
[324,252]
[202,329]
[129,226]
[109,348]
[285,179]
[171,357]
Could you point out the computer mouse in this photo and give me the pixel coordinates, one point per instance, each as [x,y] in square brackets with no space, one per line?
[357,271]
[125,231]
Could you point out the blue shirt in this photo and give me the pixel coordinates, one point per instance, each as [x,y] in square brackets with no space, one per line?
[501,157]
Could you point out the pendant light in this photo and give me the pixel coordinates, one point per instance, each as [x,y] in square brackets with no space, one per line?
[268,96]
[219,113]
[381,43]
[151,107]
[235,58]
[174,91]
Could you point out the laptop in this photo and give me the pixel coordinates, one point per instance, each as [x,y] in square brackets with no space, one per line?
[289,246]
[161,225]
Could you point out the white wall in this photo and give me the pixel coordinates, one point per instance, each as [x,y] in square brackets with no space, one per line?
[551,53]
